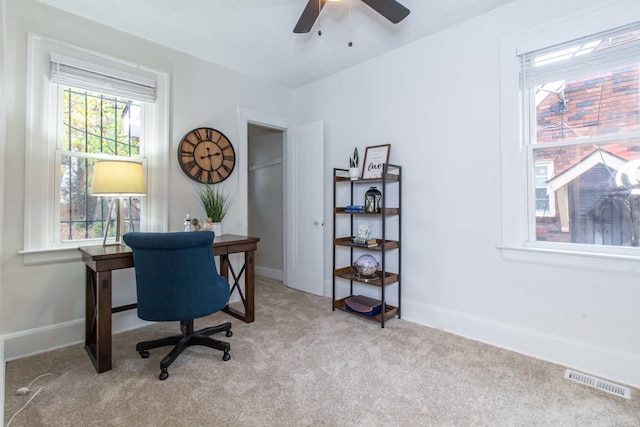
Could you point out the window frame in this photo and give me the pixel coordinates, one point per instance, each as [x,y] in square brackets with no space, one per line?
[516,244]
[40,229]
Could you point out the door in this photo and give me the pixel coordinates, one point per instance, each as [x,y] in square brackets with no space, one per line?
[304,208]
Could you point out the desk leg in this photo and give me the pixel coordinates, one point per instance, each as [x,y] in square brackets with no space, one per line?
[249,276]
[249,287]
[98,319]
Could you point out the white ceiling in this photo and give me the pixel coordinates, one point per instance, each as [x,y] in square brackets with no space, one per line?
[255,37]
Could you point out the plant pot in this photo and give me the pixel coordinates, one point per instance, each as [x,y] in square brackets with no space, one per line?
[216,227]
[354,173]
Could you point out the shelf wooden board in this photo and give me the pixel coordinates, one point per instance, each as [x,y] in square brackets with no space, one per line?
[390,311]
[349,272]
[391,177]
[388,211]
[388,244]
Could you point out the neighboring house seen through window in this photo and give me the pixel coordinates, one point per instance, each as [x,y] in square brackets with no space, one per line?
[545,203]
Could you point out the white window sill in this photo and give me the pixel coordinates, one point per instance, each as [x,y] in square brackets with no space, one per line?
[611,263]
[55,255]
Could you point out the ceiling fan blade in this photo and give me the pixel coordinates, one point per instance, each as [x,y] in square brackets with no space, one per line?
[309,16]
[390,9]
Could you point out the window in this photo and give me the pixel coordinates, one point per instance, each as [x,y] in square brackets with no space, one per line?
[83,107]
[569,102]
[94,125]
[581,109]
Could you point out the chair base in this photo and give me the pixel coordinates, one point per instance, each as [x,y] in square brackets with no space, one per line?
[188,338]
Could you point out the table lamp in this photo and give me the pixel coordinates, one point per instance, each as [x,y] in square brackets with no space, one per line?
[118,179]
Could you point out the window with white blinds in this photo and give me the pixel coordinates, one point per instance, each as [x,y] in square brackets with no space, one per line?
[581,121]
[84,106]
[593,53]
[67,71]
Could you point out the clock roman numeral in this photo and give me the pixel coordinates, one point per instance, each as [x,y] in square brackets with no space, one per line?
[189,142]
[229,158]
[227,169]
[198,174]
[198,137]
[190,165]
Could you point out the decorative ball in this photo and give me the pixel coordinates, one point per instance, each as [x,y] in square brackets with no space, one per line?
[366,265]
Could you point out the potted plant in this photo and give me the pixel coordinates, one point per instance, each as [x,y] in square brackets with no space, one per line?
[354,170]
[216,204]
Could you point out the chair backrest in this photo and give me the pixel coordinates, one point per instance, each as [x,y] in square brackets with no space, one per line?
[176,275]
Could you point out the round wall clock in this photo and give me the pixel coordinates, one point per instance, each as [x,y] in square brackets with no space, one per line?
[206,155]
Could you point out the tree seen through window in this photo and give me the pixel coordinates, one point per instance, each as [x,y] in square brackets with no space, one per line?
[93,125]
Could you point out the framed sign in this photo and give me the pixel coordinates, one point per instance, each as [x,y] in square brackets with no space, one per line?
[374,158]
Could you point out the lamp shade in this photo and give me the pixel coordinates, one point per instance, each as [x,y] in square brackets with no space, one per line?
[118,178]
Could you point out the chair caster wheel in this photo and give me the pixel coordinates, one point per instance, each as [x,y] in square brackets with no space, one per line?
[144,354]
[226,356]
[229,333]
[164,375]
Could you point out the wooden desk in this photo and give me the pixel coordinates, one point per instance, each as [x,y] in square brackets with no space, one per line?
[101,261]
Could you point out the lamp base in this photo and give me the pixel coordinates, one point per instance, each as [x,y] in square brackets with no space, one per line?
[119,214]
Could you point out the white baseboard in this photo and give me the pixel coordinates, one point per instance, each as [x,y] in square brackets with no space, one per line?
[586,357]
[271,273]
[39,340]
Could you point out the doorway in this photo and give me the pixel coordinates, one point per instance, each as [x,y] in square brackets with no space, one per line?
[265,197]
[301,213]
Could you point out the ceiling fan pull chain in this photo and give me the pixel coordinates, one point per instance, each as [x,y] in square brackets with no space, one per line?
[319,21]
[350,43]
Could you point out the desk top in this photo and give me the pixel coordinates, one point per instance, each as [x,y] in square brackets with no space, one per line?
[220,243]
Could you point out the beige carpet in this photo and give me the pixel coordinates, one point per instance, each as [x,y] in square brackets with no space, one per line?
[301,364]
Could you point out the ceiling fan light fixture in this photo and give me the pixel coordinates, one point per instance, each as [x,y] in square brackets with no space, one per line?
[390,9]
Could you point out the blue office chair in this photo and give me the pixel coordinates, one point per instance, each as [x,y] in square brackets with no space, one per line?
[177,280]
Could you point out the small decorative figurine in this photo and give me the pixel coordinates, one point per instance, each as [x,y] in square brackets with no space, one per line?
[364,231]
[187,223]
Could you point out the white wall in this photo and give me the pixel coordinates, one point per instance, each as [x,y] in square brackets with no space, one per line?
[49,299]
[436,102]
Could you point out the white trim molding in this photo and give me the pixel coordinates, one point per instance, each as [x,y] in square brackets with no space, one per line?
[40,340]
[600,361]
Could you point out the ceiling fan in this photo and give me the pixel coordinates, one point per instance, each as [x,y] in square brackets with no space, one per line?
[390,9]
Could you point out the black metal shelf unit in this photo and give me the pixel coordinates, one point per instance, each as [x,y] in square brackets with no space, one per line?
[391,175]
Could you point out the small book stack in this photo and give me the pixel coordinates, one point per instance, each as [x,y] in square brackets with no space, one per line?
[367,243]
[354,209]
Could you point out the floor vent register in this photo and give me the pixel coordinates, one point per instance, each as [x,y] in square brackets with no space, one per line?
[594,382]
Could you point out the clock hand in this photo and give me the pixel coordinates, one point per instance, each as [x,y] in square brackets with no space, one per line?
[209,155]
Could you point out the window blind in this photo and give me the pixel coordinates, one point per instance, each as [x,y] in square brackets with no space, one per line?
[605,50]
[94,77]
